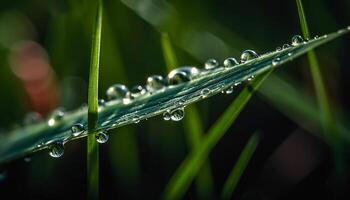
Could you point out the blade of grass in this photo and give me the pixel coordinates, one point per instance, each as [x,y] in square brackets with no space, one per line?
[239,167]
[189,168]
[193,126]
[92,145]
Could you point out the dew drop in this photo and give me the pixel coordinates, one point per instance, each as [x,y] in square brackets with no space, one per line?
[230,62]
[229,90]
[154,83]
[77,129]
[248,55]
[316,37]
[278,49]
[56,149]
[117,91]
[55,116]
[276,61]
[101,102]
[296,40]
[136,119]
[285,46]
[211,64]
[102,137]
[251,78]
[166,116]
[182,75]
[177,114]
[137,91]
[205,92]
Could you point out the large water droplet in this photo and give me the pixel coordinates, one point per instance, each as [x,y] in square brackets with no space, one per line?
[205,92]
[154,83]
[137,91]
[117,91]
[181,75]
[211,64]
[102,137]
[230,62]
[56,149]
[166,116]
[77,129]
[248,55]
[55,116]
[296,40]
[177,114]
[278,48]
[276,61]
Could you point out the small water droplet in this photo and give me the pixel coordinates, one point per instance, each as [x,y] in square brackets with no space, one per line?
[136,119]
[137,91]
[154,83]
[182,75]
[285,46]
[205,92]
[229,90]
[316,37]
[230,62]
[56,149]
[248,55]
[251,78]
[276,61]
[117,91]
[102,136]
[101,102]
[166,116]
[296,40]
[278,48]
[290,54]
[211,64]
[177,114]
[77,129]
[55,116]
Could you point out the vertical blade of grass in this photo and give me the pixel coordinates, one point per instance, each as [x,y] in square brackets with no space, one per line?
[193,126]
[239,167]
[92,145]
[190,167]
[329,124]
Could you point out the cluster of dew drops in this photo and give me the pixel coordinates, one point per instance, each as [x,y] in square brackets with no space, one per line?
[157,83]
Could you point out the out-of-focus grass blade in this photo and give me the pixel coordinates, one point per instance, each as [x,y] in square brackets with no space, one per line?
[240,166]
[92,145]
[329,124]
[189,168]
[193,126]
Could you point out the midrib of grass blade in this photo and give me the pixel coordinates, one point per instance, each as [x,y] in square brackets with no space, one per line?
[193,126]
[92,145]
[241,164]
[329,124]
[189,168]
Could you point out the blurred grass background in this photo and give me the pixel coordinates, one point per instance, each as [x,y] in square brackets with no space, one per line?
[51,41]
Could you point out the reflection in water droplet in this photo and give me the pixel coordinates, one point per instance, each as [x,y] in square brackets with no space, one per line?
[137,91]
[181,75]
[205,92]
[296,40]
[276,61]
[166,116]
[211,64]
[177,114]
[154,83]
[55,116]
[316,37]
[102,137]
[229,90]
[56,149]
[117,91]
[290,54]
[237,83]
[285,46]
[248,55]
[230,62]
[77,129]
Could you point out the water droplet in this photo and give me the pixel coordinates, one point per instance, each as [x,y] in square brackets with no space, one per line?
[230,62]
[278,48]
[290,54]
[137,91]
[285,46]
[296,40]
[136,119]
[248,55]
[177,114]
[102,137]
[211,64]
[154,83]
[27,159]
[117,91]
[181,75]
[166,116]
[276,61]
[205,92]
[101,102]
[181,102]
[237,83]
[77,129]
[229,90]
[251,78]
[55,116]
[32,118]
[56,149]
[316,37]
